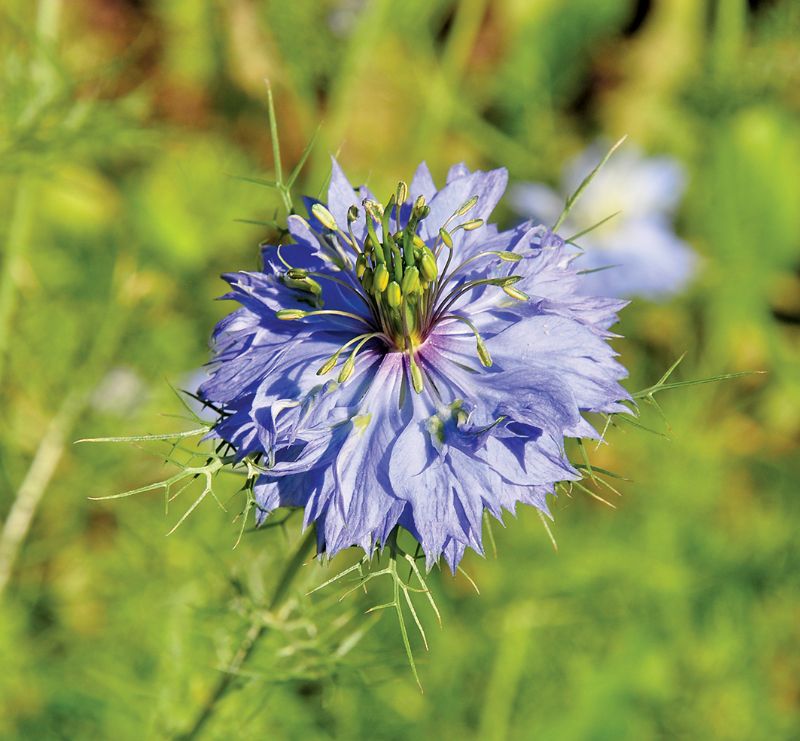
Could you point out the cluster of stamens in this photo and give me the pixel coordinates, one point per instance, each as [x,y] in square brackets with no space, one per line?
[397,277]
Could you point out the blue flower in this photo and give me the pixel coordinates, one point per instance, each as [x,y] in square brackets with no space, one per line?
[637,249]
[411,365]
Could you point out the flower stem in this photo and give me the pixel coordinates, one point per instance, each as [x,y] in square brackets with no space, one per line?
[255,632]
[16,245]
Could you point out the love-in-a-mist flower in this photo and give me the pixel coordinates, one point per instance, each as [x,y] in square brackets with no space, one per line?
[636,252]
[407,364]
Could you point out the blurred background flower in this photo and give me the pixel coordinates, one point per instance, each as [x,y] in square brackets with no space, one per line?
[122,126]
[623,219]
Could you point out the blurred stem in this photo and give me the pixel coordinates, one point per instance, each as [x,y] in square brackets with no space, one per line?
[255,632]
[48,14]
[19,233]
[35,483]
[441,101]
[728,36]
[51,447]
[346,84]
[505,677]
[445,104]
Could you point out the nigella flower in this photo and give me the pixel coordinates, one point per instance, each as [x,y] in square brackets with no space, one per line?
[635,253]
[410,365]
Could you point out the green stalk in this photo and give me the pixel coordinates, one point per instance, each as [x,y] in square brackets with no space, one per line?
[256,631]
[19,232]
[48,15]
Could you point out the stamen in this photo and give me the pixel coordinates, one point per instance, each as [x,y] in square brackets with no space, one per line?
[380,279]
[416,374]
[446,238]
[402,193]
[324,217]
[350,363]
[307,285]
[401,280]
[483,353]
[345,284]
[467,206]
[505,256]
[332,360]
[427,265]
[516,293]
[410,283]
[469,226]
[456,293]
[394,296]
[289,314]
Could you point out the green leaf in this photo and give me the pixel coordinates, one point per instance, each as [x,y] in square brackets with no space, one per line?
[593,227]
[584,184]
[648,392]
[144,438]
[547,528]
[257,181]
[303,157]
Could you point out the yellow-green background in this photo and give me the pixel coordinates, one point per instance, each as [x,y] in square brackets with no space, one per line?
[121,124]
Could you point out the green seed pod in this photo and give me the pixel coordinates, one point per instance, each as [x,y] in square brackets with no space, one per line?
[410,283]
[394,296]
[361,265]
[380,279]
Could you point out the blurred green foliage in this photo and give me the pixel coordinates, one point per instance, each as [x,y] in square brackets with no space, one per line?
[121,124]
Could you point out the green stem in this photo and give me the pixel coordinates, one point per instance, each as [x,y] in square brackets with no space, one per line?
[48,14]
[51,448]
[442,104]
[19,231]
[257,630]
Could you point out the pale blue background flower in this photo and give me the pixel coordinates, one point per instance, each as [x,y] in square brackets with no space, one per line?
[638,246]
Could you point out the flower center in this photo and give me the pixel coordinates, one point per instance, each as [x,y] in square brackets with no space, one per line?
[398,277]
[398,272]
